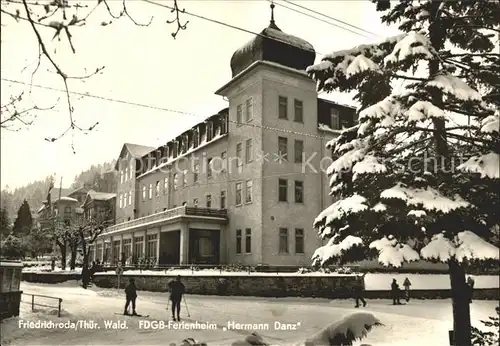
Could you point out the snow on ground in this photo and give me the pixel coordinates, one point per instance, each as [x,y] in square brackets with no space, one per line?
[48,268]
[418,322]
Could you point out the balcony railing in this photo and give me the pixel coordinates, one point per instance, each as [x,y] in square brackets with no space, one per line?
[168,214]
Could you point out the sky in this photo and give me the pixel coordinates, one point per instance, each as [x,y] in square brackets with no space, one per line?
[145,65]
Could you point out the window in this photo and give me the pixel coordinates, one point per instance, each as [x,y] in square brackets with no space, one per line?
[130,198]
[196,171]
[210,131]
[150,191]
[249,110]
[299,240]
[143,192]
[121,177]
[239,115]
[299,191]
[132,170]
[239,161]
[248,150]
[335,119]
[283,148]
[238,193]
[238,241]
[299,113]
[138,246]
[283,241]
[283,190]
[121,201]
[223,199]
[209,168]
[248,240]
[176,181]
[196,138]
[283,108]
[185,178]
[248,192]
[165,185]
[126,173]
[209,201]
[158,188]
[223,157]
[151,244]
[195,202]
[223,125]
[299,150]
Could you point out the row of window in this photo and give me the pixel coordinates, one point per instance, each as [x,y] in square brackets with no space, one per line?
[245,243]
[283,191]
[283,149]
[124,198]
[298,107]
[127,173]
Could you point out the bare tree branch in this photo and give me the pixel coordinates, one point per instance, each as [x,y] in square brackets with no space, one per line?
[177,19]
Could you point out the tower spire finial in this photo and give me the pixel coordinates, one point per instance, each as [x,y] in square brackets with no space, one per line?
[272,13]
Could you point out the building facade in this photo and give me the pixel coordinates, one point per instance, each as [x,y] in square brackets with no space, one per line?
[245,185]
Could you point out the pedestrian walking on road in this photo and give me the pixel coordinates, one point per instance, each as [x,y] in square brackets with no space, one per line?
[358,290]
[407,285]
[131,296]
[177,290]
[395,293]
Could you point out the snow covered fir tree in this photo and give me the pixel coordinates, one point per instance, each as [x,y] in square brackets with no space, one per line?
[418,177]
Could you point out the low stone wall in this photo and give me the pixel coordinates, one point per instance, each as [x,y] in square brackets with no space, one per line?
[254,285]
[49,278]
[333,287]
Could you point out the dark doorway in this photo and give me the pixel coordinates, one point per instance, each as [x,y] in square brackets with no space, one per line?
[170,247]
[204,246]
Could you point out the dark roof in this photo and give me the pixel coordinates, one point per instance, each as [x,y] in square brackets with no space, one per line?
[274,45]
[54,194]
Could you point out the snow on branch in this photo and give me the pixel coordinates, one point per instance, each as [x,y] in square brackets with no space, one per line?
[487,165]
[417,213]
[422,110]
[491,123]
[388,107]
[465,245]
[455,86]
[333,250]
[342,208]
[411,45]
[361,64]
[392,253]
[348,330]
[369,164]
[428,199]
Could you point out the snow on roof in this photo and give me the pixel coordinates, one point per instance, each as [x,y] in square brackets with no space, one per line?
[137,150]
[66,199]
[487,165]
[101,196]
[428,199]
[287,38]
[6,263]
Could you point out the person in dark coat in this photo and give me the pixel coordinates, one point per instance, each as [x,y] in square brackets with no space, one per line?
[131,295]
[470,284]
[395,292]
[407,285]
[177,290]
[358,291]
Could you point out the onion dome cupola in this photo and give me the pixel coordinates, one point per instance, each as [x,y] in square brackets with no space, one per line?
[274,45]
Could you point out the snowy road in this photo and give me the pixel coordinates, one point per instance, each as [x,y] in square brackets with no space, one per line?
[413,324]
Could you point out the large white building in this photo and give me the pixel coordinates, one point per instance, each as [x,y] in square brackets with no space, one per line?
[235,188]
